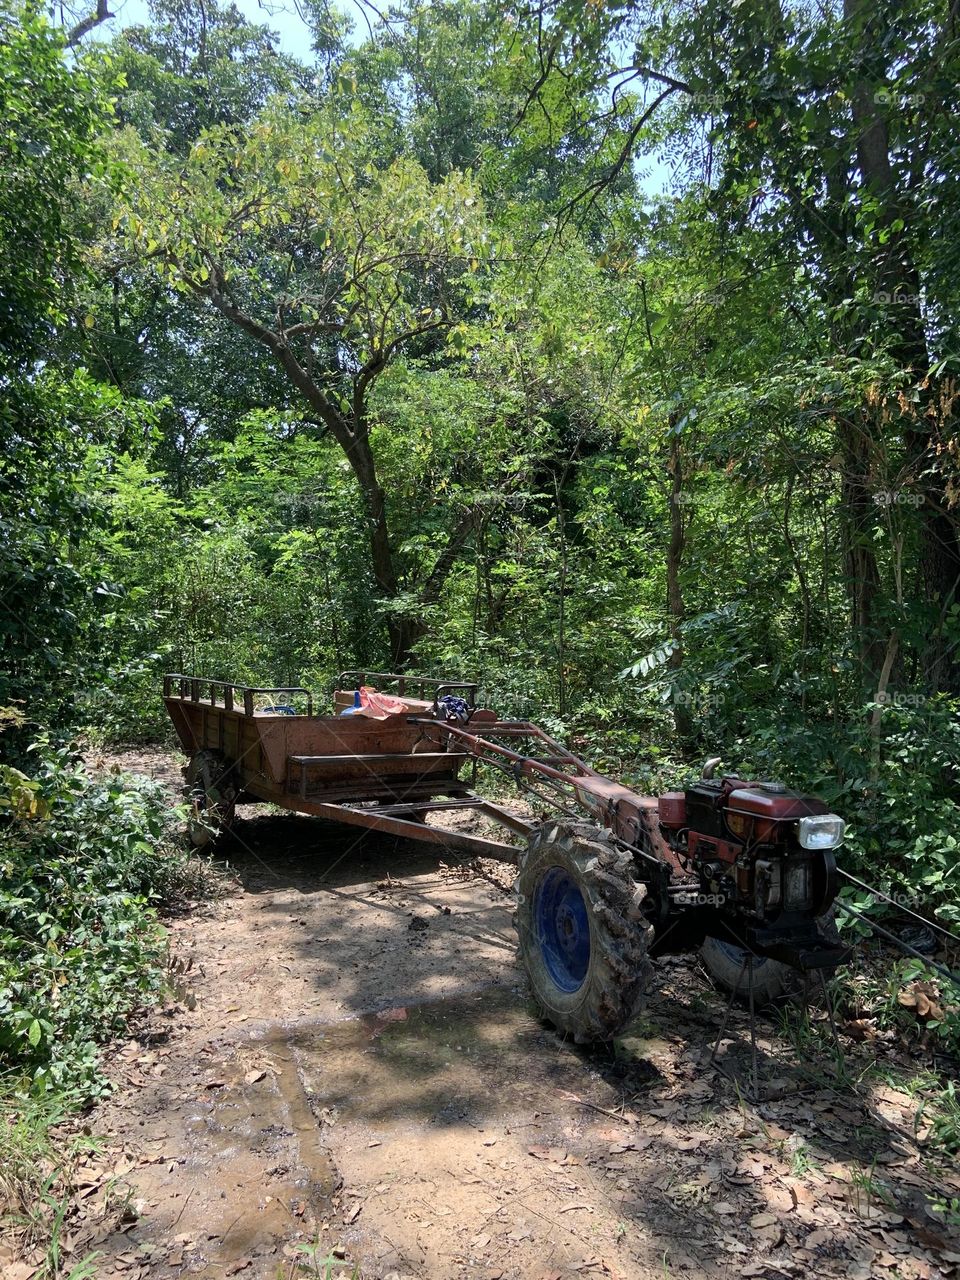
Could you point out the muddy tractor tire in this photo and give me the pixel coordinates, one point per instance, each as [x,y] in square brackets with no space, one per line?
[583,936]
[773,983]
[213,796]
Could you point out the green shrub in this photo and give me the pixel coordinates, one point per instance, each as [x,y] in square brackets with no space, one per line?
[85,862]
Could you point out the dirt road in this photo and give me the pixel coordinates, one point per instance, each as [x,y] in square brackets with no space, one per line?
[352,1062]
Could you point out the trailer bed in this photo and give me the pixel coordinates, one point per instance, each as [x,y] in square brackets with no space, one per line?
[385,774]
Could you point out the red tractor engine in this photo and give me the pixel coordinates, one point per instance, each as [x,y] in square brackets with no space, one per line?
[763,855]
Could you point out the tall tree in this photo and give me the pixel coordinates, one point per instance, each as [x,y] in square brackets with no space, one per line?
[52,113]
[198,64]
[830,128]
[332,265]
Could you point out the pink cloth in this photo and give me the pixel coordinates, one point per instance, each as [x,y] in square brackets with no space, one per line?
[378,705]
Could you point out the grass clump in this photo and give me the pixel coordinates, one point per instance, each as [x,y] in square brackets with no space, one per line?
[40,1163]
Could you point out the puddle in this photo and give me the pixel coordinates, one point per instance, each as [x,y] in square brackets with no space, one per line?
[249,1173]
[450,1123]
[262,1137]
[301,1130]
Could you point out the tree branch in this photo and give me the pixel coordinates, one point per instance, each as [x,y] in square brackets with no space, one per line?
[215,289]
[77,33]
[378,360]
[445,561]
[592,191]
[663,79]
[546,66]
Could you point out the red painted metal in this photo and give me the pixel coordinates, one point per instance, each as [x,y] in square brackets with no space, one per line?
[778,805]
[672,809]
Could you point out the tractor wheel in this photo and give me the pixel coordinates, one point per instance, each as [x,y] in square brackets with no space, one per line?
[583,936]
[211,792]
[773,982]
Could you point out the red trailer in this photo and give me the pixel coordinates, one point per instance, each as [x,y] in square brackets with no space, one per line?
[743,870]
[253,745]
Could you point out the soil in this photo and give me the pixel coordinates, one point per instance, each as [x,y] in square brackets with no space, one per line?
[350,1061]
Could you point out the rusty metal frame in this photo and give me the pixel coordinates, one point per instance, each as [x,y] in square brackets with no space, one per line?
[190,689]
[362,782]
[386,818]
[380,770]
[567,784]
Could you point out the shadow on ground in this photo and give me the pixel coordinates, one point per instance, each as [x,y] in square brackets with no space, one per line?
[362,1066]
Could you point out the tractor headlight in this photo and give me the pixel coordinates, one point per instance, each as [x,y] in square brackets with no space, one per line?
[824,831]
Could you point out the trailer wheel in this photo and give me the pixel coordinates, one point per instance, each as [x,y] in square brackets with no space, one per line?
[583,936]
[212,794]
[773,982]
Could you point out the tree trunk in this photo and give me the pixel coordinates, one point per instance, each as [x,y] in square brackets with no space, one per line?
[859,507]
[898,280]
[402,632]
[682,717]
[351,432]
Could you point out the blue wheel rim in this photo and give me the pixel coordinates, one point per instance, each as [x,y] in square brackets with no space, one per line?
[562,929]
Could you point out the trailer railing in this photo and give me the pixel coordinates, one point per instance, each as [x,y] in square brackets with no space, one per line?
[231,696]
[242,698]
